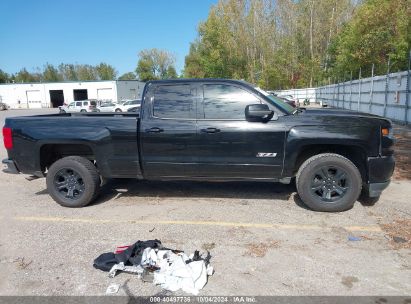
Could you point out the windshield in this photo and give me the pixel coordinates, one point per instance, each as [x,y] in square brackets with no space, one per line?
[278,102]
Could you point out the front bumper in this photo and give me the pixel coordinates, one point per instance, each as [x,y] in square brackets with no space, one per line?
[380,170]
[11,166]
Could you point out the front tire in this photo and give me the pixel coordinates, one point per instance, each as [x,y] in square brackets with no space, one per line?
[73,181]
[118,110]
[329,182]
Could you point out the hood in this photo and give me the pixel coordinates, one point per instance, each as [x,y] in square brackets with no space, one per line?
[342,112]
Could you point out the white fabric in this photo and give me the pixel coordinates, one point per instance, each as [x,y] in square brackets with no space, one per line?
[174,273]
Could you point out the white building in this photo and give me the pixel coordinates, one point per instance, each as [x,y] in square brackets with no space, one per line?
[54,94]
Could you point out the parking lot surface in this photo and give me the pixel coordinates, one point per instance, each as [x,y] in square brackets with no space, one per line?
[262,239]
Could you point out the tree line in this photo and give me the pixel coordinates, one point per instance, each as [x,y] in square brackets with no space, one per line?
[285,43]
[276,44]
[152,64]
[62,72]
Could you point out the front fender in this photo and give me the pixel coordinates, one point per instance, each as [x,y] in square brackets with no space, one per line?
[301,138]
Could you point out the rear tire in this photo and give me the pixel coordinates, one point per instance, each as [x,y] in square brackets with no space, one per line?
[118,110]
[329,182]
[83,111]
[73,181]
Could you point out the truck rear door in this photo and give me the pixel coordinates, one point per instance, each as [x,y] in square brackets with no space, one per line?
[168,131]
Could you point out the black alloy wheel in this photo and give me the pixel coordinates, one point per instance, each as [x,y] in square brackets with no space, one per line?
[69,184]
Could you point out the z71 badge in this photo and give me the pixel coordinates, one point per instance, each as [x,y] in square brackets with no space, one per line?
[260,154]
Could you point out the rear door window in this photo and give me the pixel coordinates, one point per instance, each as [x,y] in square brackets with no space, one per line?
[173,101]
[222,101]
[78,104]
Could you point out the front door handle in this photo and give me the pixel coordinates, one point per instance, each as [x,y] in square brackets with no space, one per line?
[154,130]
[210,130]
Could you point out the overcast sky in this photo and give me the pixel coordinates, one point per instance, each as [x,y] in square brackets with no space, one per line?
[93,31]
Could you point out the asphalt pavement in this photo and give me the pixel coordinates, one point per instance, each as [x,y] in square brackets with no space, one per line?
[262,239]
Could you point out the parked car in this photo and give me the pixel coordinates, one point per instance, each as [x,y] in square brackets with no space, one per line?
[322,103]
[128,104]
[3,106]
[89,105]
[107,107]
[134,109]
[211,130]
[290,100]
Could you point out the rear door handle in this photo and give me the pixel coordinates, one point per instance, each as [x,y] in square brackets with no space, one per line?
[154,130]
[210,130]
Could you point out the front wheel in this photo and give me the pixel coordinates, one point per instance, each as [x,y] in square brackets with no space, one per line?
[73,181]
[329,182]
[117,110]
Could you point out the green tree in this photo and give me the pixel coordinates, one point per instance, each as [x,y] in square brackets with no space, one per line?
[24,76]
[193,62]
[171,73]
[154,64]
[4,77]
[86,72]
[273,43]
[68,72]
[380,29]
[51,74]
[106,71]
[128,76]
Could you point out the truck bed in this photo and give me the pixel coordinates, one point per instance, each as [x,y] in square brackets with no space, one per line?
[111,139]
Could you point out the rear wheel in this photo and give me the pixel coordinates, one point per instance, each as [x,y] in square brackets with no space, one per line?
[118,110]
[82,111]
[328,182]
[73,181]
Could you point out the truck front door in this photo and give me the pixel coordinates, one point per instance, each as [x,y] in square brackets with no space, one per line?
[229,146]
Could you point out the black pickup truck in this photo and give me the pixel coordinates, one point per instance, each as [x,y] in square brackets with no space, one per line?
[210,130]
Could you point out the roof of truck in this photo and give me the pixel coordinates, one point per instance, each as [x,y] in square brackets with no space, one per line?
[243,82]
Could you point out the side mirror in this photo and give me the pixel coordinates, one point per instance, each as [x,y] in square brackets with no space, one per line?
[259,113]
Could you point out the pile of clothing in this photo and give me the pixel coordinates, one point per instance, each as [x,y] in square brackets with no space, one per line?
[149,260]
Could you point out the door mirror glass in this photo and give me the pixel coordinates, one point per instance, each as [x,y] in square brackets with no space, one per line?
[259,113]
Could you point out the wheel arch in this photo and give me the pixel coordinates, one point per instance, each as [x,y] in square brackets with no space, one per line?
[356,154]
[51,152]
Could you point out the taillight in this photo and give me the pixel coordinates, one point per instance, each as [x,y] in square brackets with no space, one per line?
[7,138]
